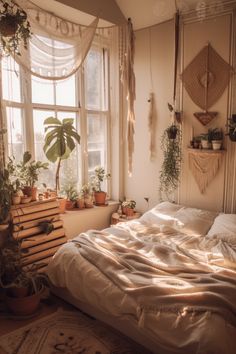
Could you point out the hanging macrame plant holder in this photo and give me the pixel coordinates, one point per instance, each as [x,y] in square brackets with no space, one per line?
[205,80]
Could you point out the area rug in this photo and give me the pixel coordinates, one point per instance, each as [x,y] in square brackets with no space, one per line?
[67,332]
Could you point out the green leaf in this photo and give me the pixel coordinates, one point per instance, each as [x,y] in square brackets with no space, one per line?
[52,153]
[68,121]
[52,120]
[66,154]
[70,143]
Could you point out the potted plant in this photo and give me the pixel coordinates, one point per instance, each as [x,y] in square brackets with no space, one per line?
[71,195]
[128,207]
[205,143]
[216,138]
[96,180]
[60,140]
[171,166]
[23,285]
[85,197]
[231,125]
[28,173]
[15,181]
[14,27]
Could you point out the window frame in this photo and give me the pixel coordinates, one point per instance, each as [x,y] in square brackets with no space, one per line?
[80,111]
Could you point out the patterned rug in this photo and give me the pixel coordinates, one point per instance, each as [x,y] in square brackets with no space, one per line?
[67,332]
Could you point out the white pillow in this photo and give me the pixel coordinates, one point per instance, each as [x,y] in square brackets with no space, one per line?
[161,214]
[224,224]
[193,221]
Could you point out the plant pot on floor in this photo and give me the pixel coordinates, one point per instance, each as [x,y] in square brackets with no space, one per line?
[69,205]
[100,198]
[80,203]
[62,205]
[23,306]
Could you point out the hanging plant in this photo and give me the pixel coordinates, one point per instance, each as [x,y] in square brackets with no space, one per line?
[171,166]
[14,27]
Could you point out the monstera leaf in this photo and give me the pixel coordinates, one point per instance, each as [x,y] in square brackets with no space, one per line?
[60,140]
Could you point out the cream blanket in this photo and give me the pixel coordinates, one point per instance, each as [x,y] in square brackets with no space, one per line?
[162,272]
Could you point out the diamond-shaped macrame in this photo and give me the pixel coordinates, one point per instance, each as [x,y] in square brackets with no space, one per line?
[206,77]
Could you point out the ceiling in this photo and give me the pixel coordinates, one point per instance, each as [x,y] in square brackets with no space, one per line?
[144,13]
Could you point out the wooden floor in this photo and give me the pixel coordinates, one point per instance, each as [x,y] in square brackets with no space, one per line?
[9,322]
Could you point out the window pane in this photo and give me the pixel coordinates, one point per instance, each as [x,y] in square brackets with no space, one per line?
[15,132]
[69,167]
[96,130]
[42,91]
[10,80]
[93,80]
[65,92]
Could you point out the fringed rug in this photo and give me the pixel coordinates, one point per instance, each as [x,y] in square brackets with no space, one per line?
[67,332]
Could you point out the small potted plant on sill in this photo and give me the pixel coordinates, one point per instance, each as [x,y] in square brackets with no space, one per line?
[14,27]
[205,143]
[216,138]
[15,181]
[6,193]
[128,207]
[28,173]
[85,199]
[96,180]
[71,196]
[231,125]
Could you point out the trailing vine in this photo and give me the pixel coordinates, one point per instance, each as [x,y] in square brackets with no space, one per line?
[171,165]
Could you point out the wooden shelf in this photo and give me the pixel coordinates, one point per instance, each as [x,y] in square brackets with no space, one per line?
[206,151]
[37,247]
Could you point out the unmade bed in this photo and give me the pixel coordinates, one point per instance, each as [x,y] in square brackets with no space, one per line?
[168,279]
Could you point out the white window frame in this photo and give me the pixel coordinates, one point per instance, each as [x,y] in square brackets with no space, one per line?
[80,110]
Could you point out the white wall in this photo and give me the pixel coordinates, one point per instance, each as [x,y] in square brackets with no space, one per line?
[153,58]
[159,59]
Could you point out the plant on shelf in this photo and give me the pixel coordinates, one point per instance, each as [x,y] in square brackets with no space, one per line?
[60,140]
[85,198]
[15,181]
[231,125]
[28,173]
[172,157]
[216,138]
[205,141]
[96,181]
[23,285]
[128,207]
[14,27]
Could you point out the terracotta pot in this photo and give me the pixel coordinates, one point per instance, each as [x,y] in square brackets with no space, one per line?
[80,203]
[18,292]
[30,192]
[8,25]
[100,198]
[69,205]
[62,205]
[23,306]
[16,199]
[129,212]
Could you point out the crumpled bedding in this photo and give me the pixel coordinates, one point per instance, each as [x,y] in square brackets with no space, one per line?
[180,288]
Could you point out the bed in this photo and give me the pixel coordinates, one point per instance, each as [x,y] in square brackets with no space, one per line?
[167,279]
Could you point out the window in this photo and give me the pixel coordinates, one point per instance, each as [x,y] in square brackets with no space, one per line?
[28,100]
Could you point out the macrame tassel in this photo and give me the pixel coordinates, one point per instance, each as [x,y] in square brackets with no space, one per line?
[152,117]
[204,168]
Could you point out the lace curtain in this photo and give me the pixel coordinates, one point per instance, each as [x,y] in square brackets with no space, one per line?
[57,47]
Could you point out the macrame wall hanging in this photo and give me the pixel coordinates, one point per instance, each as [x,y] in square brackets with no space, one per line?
[204,167]
[128,80]
[152,114]
[205,80]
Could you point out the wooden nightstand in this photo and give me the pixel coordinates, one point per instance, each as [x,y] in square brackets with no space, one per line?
[115,218]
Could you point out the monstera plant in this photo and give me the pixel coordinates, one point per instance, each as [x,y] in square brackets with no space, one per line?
[60,139]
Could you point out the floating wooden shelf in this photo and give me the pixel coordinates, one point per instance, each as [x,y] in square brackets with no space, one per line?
[206,151]
[37,247]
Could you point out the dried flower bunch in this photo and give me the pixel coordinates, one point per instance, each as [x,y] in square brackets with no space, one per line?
[14,27]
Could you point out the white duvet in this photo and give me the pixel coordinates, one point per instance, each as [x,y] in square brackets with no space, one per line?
[179,287]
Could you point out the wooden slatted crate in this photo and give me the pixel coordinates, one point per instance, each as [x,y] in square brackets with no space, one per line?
[37,246]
